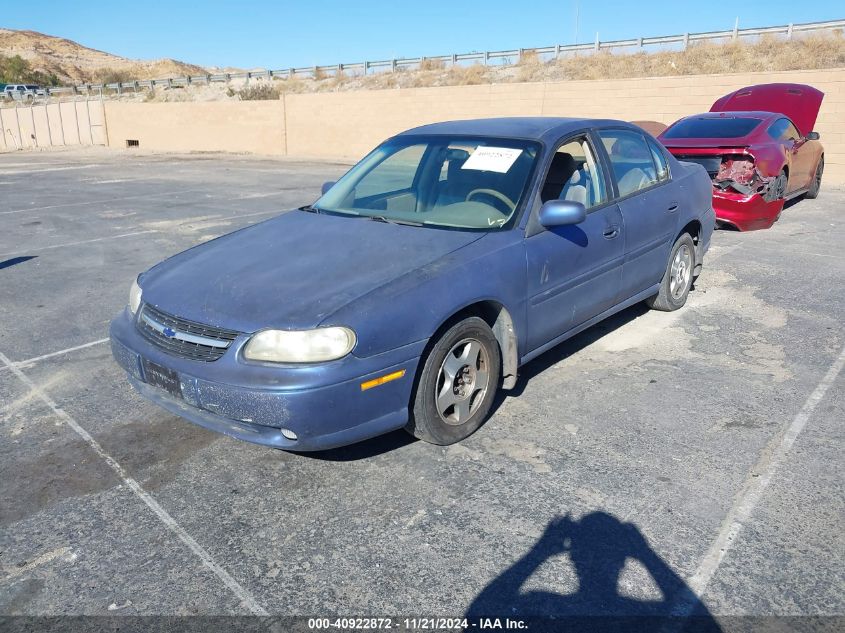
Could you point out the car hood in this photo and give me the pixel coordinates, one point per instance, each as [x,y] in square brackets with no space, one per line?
[293,271]
[799,102]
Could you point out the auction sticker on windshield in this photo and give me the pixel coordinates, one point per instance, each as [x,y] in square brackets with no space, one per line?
[498,159]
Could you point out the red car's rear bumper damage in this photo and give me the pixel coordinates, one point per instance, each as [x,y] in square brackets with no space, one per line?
[745,212]
[743,197]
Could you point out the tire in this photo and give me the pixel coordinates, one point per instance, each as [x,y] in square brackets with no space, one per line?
[453,368]
[816,185]
[778,189]
[677,280]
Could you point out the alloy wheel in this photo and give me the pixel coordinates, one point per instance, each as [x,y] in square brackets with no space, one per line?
[462,382]
[681,272]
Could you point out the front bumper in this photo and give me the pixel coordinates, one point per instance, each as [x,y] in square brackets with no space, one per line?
[745,212]
[323,404]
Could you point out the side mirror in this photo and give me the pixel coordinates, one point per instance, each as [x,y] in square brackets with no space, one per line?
[326,186]
[562,212]
[813,136]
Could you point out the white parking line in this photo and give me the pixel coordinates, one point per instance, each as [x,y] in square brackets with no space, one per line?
[61,352]
[26,172]
[96,239]
[762,472]
[246,598]
[109,200]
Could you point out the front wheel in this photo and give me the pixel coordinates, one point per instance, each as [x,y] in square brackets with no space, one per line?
[677,280]
[457,384]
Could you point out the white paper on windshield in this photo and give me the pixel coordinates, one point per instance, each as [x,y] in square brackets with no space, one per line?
[498,159]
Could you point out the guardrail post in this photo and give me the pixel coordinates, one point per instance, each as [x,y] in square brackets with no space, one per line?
[291,73]
[596,45]
[557,51]
[789,31]
[393,65]
[454,60]
[736,29]
[519,55]
[686,41]
[639,42]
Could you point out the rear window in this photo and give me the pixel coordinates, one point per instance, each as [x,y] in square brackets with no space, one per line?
[712,128]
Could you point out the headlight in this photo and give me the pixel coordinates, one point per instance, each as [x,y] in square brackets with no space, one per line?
[134,297]
[300,346]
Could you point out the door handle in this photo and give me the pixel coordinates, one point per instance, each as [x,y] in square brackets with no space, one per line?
[610,232]
[673,207]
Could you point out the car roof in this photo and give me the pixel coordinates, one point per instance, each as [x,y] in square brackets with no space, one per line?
[546,129]
[738,114]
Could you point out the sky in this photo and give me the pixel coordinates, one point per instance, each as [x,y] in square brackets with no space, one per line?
[277,35]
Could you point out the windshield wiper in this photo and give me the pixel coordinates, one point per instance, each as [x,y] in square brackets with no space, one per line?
[386,220]
[311,209]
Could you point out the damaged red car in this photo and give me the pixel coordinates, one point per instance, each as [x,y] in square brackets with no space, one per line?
[759,148]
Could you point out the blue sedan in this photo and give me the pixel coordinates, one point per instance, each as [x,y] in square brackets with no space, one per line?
[417,285]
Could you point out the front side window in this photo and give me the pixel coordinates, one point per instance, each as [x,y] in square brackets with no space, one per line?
[575,175]
[466,183]
[631,160]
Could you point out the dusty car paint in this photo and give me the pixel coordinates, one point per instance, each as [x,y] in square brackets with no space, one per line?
[395,286]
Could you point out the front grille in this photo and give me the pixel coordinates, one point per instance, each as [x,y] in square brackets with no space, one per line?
[188,339]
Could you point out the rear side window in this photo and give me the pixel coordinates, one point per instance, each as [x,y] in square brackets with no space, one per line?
[659,161]
[715,127]
[783,130]
[631,160]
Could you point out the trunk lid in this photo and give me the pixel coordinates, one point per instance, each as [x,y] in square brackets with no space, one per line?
[799,102]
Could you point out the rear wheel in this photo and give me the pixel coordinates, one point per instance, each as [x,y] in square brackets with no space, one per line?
[778,189]
[457,384]
[813,191]
[677,280]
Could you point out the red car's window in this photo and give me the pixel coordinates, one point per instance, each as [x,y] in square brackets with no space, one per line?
[712,127]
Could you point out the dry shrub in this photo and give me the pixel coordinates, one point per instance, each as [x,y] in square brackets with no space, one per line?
[112,76]
[432,64]
[259,92]
[468,75]
[768,53]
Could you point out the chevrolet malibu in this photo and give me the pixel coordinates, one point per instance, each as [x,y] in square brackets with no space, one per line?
[417,285]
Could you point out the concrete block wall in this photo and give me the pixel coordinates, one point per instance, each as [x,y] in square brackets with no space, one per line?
[346,125]
[214,126]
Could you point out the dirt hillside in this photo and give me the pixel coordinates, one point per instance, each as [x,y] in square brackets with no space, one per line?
[72,62]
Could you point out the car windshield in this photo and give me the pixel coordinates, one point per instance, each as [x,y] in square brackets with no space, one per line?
[706,127]
[467,183]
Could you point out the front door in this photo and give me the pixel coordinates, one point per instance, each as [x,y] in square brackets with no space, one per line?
[574,271]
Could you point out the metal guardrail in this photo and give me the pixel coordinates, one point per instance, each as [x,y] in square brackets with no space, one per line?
[485,57]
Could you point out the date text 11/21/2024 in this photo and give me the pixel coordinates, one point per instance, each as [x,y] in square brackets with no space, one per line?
[417,623]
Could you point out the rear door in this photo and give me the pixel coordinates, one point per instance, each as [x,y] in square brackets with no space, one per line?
[573,271]
[648,203]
